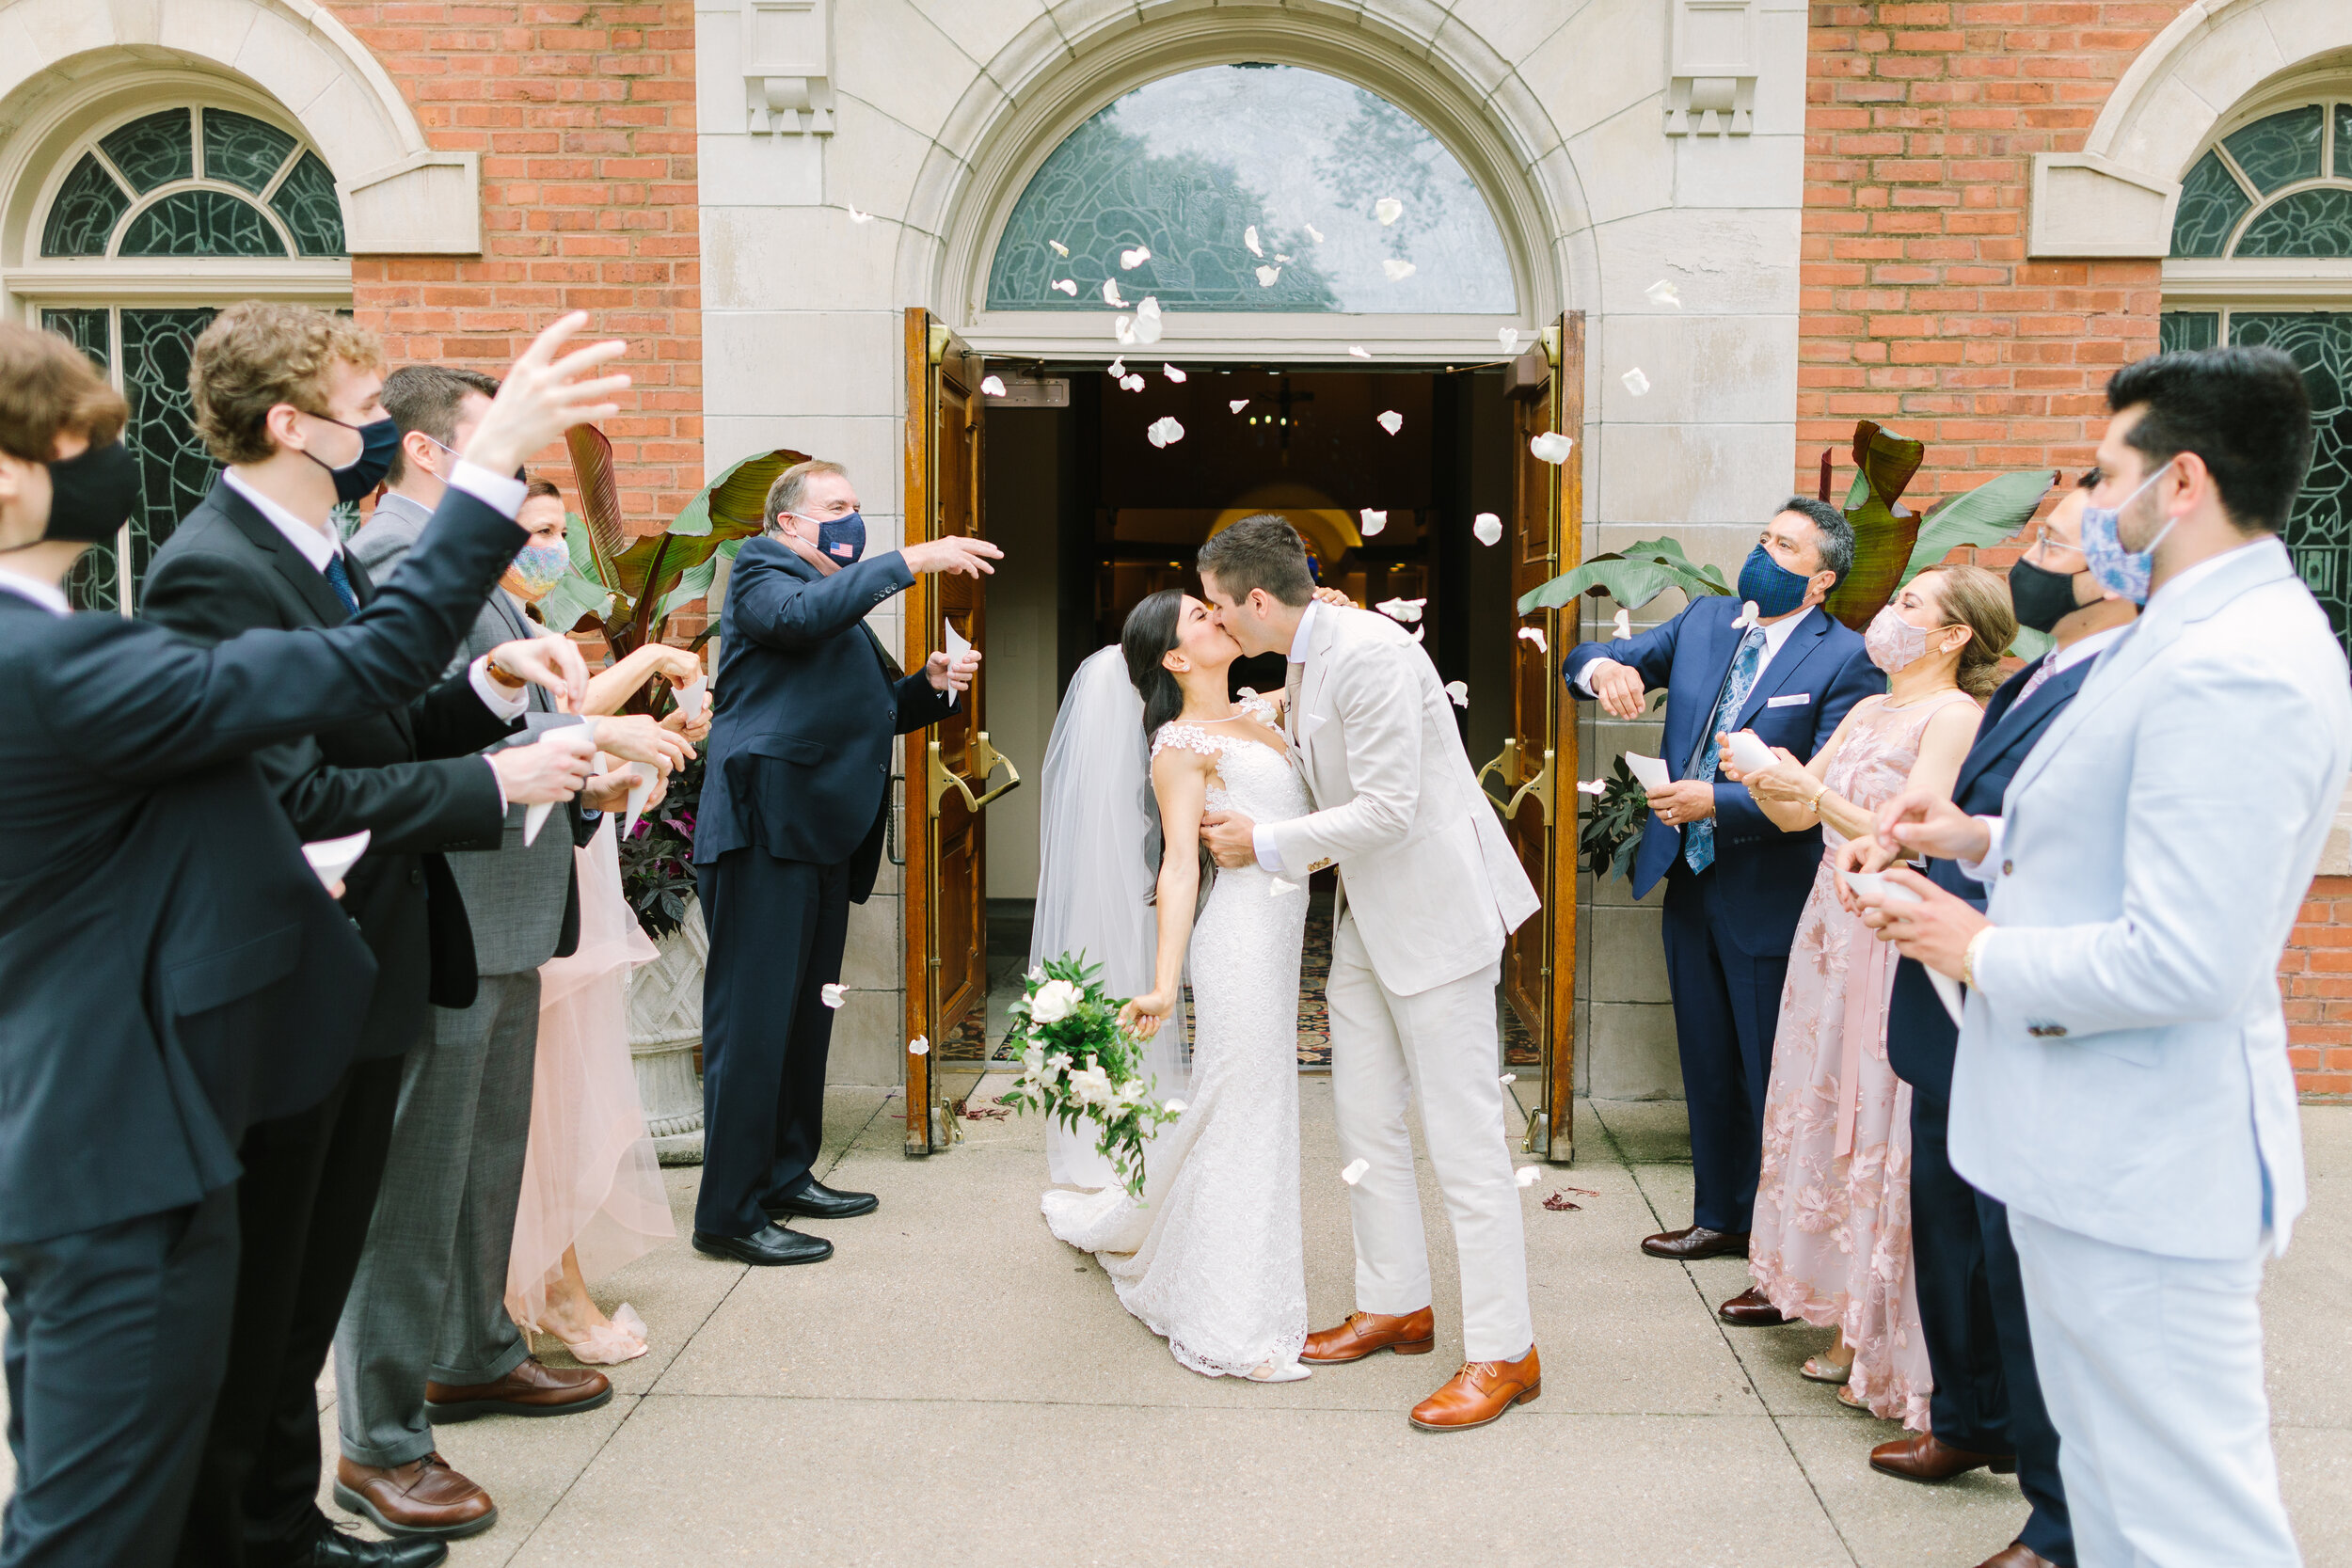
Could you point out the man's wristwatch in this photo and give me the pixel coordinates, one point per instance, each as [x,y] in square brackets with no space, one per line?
[1968,956]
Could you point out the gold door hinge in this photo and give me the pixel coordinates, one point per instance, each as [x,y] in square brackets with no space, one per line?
[987,759]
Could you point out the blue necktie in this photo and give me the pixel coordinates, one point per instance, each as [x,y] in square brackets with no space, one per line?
[1698,839]
[339,580]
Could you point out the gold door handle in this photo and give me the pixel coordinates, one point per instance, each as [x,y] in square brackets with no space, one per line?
[1539,787]
[987,759]
[1506,761]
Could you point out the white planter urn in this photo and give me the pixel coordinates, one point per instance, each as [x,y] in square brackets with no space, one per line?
[665,1025]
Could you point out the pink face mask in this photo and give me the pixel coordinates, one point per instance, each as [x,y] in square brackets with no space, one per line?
[1893,643]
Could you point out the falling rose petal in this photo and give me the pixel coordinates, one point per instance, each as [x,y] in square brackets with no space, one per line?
[1173,1108]
[1591,786]
[1267,275]
[1748,613]
[1509,338]
[1624,626]
[1249,238]
[1401,610]
[1373,521]
[1534,635]
[1509,1078]
[918,1046]
[1390,421]
[856,217]
[1552,446]
[1459,691]
[1398,271]
[1663,292]
[1172,374]
[1635,381]
[1358,351]
[1280,257]
[1420,632]
[1164,431]
[1487,530]
[1558,1203]
[1280,888]
[1529,1175]
[1147,324]
[833,996]
[1119,369]
[1313,233]
[1354,1171]
[1110,292]
[1130,259]
[992,385]
[1387,209]
[1067,285]
[1123,328]
[1132,382]
[1237,405]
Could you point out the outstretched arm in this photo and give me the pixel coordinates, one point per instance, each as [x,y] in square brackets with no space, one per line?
[1180,778]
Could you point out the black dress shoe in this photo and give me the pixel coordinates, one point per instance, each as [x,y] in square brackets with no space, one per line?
[339,1548]
[770,1248]
[1696,1241]
[817,1201]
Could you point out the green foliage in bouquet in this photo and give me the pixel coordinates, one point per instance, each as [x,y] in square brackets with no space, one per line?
[1614,820]
[1079,1066]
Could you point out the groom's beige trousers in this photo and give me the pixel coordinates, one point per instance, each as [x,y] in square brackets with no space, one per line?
[1437,1046]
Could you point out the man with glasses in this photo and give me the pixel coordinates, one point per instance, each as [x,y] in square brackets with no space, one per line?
[1987,1407]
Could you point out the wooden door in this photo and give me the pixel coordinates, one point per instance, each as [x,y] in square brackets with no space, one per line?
[1537,772]
[948,765]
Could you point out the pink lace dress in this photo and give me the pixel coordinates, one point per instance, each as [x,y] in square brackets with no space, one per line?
[1830,1240]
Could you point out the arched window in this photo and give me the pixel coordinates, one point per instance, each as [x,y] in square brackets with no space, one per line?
[160,216]
[1253,188]
[2260,239]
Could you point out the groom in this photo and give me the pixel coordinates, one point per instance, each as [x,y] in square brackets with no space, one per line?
[1428,891]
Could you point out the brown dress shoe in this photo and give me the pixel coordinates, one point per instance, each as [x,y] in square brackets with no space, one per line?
[1696,1241]
[530,1390]
[1751,1309]
[1481,1392]
[1923,1456]
[1414,1333]
[2017,1555]
[423,1497]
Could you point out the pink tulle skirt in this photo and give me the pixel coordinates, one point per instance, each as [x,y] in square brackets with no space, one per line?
[590,1179]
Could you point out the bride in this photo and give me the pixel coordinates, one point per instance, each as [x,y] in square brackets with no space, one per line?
[1211,1261]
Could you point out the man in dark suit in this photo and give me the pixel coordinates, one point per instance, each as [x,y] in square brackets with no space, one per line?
[171,963]
[259,551]
[796,795]
[1987,1407]
[1735,883]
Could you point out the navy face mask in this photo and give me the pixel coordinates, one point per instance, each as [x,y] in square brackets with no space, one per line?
[1775,589]
[840,540]
[357,479]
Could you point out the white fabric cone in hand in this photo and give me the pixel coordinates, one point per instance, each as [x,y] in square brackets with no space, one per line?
[579,740]
[646,773]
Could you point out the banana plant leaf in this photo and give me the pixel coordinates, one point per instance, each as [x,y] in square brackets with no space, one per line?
[1632,576]
[606,535]
[1885,530]
[1984,515]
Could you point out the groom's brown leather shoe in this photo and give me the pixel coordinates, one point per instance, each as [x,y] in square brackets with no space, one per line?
[1481,1392]
[1696,1241]
[1414,1333]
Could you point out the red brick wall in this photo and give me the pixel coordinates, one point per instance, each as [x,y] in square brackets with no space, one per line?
[583,115]
[2315,978]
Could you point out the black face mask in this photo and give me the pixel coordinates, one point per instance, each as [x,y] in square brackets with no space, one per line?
[90,496]
[357,479]
[2041,597]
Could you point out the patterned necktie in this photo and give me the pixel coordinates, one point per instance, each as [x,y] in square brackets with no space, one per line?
[1698,839]
[2033,682]
[339,580]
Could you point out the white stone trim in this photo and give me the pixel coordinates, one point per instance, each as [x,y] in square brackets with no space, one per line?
[2116,197]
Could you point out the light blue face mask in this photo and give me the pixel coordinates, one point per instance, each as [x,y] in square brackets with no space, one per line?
[2120,570]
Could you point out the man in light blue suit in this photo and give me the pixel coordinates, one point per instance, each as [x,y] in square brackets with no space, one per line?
[2122,1083]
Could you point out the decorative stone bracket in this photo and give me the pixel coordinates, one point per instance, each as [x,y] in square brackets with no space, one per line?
[426,204]
[2087,205]
[1710,89]
[787,67]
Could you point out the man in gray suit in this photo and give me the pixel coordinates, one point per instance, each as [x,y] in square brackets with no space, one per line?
[424,1334]
[2122,1083]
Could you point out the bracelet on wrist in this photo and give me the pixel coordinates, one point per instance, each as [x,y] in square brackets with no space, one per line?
[1969,955]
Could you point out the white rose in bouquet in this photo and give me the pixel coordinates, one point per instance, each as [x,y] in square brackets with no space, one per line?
[1033,1064]
[1053,1001]
[1092,1084]
[1132,1091]
[1055,1065]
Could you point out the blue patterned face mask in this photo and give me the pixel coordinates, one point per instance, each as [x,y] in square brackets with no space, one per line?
[2120,570]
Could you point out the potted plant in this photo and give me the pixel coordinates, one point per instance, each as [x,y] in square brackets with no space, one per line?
[630,590]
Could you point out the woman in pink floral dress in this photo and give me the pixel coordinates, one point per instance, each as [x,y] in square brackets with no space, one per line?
[1830,1240]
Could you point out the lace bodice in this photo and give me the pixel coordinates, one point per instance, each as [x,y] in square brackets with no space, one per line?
[1251,777]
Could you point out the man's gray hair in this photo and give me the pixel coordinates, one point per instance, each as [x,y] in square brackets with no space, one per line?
[1836,533]
[791,487]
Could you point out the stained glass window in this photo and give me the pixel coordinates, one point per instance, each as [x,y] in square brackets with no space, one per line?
[88,207]
[2187,330]
[2278,149]
[1194,166]
[193,211]
[2319,534]
[2313,222]
[153,151]
[175,470]
[2212,202]
[2268,168]
[242,150]
[93,584]
[306,202]
[202,223]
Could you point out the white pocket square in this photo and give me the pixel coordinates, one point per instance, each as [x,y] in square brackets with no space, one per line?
[1794,699]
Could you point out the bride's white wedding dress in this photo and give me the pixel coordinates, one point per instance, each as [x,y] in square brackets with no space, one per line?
[1213,1260]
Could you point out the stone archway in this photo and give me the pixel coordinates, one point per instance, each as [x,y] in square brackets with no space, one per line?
[400,196]
[2115,197]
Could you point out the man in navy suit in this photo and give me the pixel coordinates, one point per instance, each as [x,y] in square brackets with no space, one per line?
[795,796]
[1987,1407]
[1735,883]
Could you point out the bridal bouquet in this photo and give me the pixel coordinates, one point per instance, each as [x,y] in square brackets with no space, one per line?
[1079,1065]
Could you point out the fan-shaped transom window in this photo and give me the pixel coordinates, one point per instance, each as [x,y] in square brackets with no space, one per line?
[196,181]
[2279,187]
[1253,187]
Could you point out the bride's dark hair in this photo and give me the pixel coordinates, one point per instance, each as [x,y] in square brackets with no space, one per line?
[1148,634]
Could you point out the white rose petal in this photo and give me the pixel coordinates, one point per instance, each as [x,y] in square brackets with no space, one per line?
[856,217]
[1663,292]
[1173,1108]
[1130,259]
[1164,431]
[1401,610]
[1249,238]
[1748,613]
[1459,691]
[1373,521]
[1387,209]
[1591,786]
[1132,383]
[1552,446]
[1509,1078]
[1123,328]
[833,996]
[1635,381]
[992,385]
[1624,626]
[1237,405]
[1534,635]
[1148,325]
[1067,285]
[1280,257]
[1117,369]
[1487,530]
[1529,1175]
[1509,338]
[1358,351]
[1313,233]
[1398,271]
[918,1046]
[1110,292]
[1354,1171]
[1391,420]
[1172,374]
[1420,632]
[1267,275]
[1060,248]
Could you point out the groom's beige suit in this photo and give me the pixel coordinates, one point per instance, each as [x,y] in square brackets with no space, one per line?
[1428,891]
